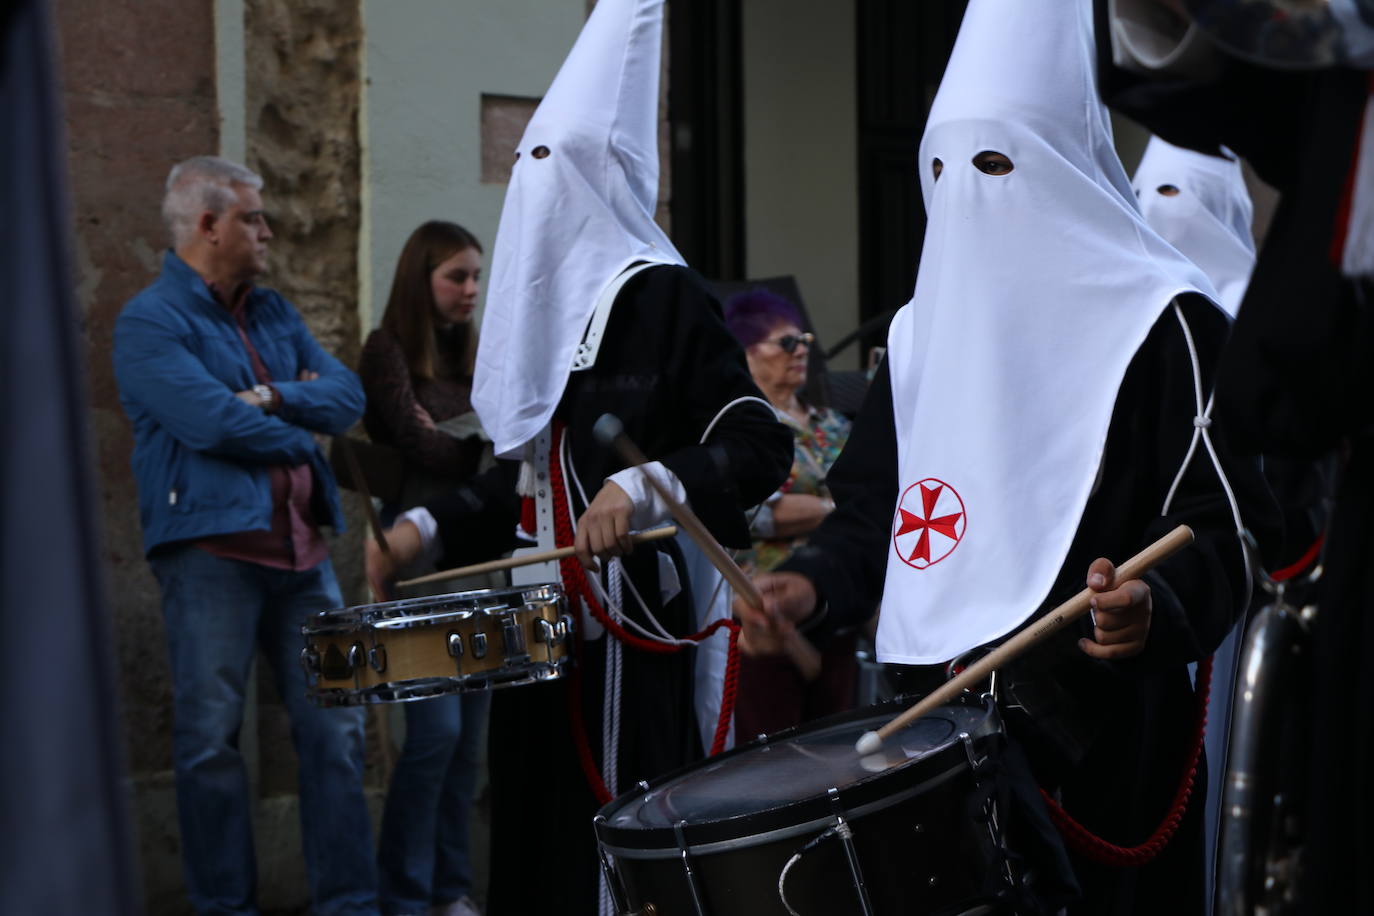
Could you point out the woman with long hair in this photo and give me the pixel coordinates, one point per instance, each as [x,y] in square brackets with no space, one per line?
[417,372]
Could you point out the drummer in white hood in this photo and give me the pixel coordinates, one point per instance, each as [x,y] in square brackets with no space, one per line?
[1037,403]
[591,310]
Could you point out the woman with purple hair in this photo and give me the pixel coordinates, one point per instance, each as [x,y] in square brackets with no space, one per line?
[774,694]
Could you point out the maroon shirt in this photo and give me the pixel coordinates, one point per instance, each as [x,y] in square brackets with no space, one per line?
[294,540]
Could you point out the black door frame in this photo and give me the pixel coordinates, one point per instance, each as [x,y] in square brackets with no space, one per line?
[903,47]
[705,113]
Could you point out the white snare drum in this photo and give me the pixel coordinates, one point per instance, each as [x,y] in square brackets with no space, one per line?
[423,647]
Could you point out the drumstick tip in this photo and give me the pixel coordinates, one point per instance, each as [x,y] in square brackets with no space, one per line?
[608,428]
[868,743]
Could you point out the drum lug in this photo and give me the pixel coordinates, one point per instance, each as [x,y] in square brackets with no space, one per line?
[310,661]
[547,633]
[455,644]
[479,645]
[376,656]
[513,637]
[357,661]
[564,628]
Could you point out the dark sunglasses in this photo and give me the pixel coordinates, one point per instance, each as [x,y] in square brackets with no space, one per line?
[789,342]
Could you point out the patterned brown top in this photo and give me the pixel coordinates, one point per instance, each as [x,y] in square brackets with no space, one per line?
[402,410]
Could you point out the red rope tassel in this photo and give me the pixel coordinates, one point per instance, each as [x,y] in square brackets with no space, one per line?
[576,586]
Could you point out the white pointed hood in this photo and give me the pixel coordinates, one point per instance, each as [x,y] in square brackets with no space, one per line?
[1035,289]
[1207,217]
[578,211]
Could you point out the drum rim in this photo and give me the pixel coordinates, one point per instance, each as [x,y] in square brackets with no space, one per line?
[804,828]
[346,619]
[415,689]
[868,795]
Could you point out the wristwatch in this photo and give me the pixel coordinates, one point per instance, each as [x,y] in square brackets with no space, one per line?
[266,395]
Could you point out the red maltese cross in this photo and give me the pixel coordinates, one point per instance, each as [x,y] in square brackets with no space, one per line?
[930,523]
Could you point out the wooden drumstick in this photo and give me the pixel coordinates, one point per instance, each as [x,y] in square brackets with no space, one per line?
[360,484]
[611,432]
[656,534]
[1050,622]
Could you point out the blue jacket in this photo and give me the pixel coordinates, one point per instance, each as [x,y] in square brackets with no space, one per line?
[201,455]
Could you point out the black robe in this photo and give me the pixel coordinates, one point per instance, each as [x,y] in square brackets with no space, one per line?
[1296,382]
[666,366]
[1110,736]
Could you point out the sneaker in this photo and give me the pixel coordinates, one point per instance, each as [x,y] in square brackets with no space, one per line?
[463,906]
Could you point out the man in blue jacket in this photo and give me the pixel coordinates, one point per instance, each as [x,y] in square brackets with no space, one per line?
[224,386]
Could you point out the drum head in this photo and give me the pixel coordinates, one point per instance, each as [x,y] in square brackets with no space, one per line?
[746,790]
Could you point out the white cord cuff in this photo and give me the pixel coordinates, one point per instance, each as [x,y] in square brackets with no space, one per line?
[431,547]
[650,511]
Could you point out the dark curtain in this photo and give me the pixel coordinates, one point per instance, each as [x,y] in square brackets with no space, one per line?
[66,833]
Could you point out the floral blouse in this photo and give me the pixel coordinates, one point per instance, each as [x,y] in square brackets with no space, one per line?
[816,446]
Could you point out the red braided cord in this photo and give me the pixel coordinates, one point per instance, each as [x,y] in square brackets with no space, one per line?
[728,692]
[1307,559]
[576,585]
[1093,847]
[1098,849]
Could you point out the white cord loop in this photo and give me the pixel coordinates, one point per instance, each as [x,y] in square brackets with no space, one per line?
[1202,423]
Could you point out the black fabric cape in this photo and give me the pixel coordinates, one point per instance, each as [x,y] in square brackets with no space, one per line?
[1296,381]
[1111,737]
[666,366]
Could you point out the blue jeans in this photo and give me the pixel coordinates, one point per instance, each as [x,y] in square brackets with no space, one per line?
[217,612]
[424,853]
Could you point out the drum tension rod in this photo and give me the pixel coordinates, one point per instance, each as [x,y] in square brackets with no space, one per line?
[608,869]
[846,835]
[687,868]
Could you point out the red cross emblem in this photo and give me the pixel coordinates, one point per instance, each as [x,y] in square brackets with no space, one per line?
[930,523]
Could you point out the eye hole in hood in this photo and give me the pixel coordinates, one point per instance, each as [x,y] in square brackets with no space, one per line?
[991,162]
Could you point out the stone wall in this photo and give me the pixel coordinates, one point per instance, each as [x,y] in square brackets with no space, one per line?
[303,69]
[139,91]
[140,94]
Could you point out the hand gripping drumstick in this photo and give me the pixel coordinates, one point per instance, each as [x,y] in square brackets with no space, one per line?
[656,534]
[1051,622]
[611,432]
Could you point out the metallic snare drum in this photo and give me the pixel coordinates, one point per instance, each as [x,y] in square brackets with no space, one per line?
[423,647]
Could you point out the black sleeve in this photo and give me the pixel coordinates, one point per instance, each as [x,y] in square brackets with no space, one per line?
[846,557]
[1199,593]
[748,454]
[477,520]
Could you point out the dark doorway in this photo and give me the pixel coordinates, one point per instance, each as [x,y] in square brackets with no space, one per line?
[705,112]
[902,52]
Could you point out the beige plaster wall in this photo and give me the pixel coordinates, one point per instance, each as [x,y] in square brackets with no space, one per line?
[425,77]
[801,180]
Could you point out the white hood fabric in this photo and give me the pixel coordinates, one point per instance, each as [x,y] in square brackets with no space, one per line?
[1208,220]
[579,210]
[1036,288]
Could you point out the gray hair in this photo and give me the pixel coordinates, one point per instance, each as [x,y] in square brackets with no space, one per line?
[198,184]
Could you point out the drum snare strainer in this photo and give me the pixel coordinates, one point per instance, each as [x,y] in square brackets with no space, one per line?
[422,647]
